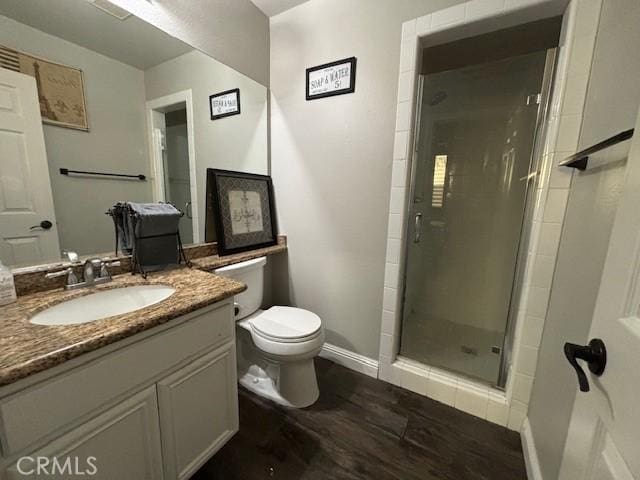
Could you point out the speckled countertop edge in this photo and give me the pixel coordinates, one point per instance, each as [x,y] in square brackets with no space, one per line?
[31,279]
[26,349]
[210,263]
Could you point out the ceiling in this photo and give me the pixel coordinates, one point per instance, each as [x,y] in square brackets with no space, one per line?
[131,41]
[274,7]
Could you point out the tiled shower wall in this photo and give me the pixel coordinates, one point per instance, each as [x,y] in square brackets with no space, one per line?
[574,67]
[552,185]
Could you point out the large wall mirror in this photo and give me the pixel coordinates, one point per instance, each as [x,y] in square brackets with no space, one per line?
[110,94]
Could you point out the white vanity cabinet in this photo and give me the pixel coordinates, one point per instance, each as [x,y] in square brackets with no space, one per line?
[198,411]
[153,406]
[122,442]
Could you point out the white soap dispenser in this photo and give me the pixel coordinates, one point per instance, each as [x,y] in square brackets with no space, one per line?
[7,287]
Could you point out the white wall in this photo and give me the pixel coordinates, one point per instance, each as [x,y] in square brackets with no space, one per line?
[237,142]
[234,32]
[331,160]
[116,141]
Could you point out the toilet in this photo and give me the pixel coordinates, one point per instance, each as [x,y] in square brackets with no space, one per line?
[275,347]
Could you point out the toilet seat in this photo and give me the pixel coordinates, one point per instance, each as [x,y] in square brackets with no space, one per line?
[286,334]
[286,325]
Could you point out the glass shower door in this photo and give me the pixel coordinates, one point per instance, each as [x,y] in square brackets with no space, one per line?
[476,135]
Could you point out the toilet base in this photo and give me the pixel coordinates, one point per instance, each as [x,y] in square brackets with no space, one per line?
[258,381]
[291,384]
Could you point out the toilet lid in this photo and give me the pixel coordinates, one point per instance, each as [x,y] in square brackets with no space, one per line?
[286,323]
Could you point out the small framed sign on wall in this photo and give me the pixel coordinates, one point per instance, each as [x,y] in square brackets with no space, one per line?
[225,104]
[335,78]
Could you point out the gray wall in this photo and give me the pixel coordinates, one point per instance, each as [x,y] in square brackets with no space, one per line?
[116,141]
[238,142]
[331,160]
[234,32]
[611,107]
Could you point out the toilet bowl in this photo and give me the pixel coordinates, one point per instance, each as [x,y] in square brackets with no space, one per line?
[275,347]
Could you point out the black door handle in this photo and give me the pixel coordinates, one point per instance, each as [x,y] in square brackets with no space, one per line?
[45,225]
[595,354]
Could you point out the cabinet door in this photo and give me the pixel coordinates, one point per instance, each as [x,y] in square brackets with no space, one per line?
[198,411]
[122,443]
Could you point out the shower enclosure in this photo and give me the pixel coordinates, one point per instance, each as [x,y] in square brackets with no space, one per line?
[473,168]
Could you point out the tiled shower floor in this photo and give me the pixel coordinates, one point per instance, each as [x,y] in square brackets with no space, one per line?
[451,346]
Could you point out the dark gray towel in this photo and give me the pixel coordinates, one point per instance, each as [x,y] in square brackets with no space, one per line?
[155,218]
[124,227]
[155,226]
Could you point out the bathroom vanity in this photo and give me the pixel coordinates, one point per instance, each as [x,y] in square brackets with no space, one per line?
[150,394]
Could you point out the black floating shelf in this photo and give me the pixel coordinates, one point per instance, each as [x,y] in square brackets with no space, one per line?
[66,171]
[580,159]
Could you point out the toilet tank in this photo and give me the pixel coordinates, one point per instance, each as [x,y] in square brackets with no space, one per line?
[251,273]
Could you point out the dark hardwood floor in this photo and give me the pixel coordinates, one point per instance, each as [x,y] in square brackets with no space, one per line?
[362,428]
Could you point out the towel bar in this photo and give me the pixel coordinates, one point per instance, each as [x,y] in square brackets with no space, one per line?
[66,171]
[579,160]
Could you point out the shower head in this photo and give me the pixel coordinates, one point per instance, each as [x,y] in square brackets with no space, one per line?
[438,98]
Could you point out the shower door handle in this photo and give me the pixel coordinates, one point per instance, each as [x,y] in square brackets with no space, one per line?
[187,208]
[418,228]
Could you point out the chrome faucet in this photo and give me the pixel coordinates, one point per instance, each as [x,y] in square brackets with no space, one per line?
[90,266]
[72,279]
[95,272]
[70,256]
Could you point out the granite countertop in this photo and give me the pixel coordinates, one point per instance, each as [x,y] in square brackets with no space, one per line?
[26,348]
[212,262]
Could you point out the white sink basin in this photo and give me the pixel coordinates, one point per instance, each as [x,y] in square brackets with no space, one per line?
[103,304]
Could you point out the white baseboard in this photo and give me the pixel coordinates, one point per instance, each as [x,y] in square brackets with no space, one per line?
[530,452]
[351,360]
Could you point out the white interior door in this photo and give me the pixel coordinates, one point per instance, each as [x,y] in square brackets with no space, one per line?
[603,442]
[28,231]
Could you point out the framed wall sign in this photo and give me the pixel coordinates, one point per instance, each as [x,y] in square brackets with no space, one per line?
[60,88]
[241,206]
[335,78]
[224,104]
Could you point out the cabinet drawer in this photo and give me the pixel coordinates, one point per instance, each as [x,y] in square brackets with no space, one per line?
[53,406]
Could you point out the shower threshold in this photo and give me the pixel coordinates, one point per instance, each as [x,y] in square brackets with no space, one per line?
[463,393]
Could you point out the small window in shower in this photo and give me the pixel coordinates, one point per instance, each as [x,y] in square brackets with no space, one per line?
[439,174]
